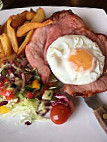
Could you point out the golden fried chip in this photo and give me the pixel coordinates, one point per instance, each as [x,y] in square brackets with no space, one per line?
[39,16]
[19,19]
[1,51]
[0,29]
[4,28]
[25,42]
[30,26]
[12,35]
[6,45]
[11,57]
[30,15]
[26,22]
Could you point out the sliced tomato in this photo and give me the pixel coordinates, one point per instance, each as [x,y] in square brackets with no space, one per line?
[60,113]
[30,95]
[1,84]
[50,84]
[8,94]
[1,91]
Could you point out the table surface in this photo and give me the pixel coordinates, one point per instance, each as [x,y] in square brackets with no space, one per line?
[78,3]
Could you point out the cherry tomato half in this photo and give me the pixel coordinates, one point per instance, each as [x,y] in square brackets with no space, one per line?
[60,114]
[30,95]
[8,94]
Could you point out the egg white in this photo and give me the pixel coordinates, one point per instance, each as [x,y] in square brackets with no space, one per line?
[59,51]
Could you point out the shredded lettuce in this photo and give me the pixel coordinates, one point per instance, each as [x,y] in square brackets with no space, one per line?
[3,66]
[2,98]
[26,109]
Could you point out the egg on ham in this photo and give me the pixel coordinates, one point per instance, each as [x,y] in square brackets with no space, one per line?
[75,59]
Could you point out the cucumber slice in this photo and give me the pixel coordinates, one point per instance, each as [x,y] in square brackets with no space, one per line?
[48,95]
[20,95]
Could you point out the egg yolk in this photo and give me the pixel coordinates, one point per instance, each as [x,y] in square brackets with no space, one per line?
[82,60]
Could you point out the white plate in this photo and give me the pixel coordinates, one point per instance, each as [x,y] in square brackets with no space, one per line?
[82,126]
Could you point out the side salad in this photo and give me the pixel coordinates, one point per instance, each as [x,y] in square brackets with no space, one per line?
[23,94]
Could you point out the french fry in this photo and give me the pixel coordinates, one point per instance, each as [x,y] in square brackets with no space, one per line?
[1,51]
[30,15]
[12,35]
[4,28]
[39,16]
[0,29]
[31,26]
[19,19]
[11,57]
[5,44]
[25,42]
[26,22]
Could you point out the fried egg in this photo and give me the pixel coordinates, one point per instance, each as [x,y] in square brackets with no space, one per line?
[75,59]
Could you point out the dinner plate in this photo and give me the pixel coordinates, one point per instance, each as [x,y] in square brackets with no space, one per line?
[82,126]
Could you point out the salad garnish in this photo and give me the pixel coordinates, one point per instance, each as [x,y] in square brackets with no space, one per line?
[23,94]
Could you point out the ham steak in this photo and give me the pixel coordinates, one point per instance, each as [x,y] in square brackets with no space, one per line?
[65,23]
[34,52]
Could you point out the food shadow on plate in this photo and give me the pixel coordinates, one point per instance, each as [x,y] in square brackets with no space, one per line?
[75,100]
